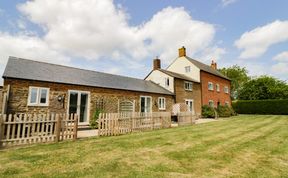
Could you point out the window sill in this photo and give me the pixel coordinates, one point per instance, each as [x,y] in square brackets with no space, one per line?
[188,90]
[38,105]
[162,109]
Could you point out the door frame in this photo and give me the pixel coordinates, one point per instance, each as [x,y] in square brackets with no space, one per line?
[191,100]
[151,104]
[88,105]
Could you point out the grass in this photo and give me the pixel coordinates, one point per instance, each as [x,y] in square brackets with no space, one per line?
[242,146]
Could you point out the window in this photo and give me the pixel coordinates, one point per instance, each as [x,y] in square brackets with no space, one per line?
[211,103]
[126,106]
[226,103]
[190,105]
[161,103]
[226,89]
[210,86]
[38,96]
[187,69]
[188,86]
[167,82]
[145,104]
[217,87]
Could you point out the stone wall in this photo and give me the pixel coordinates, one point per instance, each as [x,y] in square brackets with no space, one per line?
[182,94]
[19,90]
[214,95]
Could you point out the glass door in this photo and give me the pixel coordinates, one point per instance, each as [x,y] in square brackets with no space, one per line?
[145,103]
[78,104]
[190,105]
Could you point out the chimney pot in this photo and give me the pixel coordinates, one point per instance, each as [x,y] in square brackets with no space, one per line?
[156,63]
[182,51]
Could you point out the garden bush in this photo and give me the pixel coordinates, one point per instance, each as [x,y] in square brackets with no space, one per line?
[225,111]
[277,107]
[94,120]
[208,111]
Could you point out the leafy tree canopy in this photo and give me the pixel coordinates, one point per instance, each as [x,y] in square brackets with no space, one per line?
[263,87]
[238,76]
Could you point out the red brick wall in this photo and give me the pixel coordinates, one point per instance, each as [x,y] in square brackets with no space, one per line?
[207,95]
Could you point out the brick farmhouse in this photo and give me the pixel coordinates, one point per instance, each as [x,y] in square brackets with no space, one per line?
[185,85]
[193,83]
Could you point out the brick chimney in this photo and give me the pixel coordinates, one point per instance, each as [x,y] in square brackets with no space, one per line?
[182,51]
[214,65]
[156,64]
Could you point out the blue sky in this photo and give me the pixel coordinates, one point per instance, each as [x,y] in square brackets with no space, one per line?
[123,36]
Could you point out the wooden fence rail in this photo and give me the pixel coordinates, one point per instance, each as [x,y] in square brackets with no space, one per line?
[186,118]
[21,129]
[123,123]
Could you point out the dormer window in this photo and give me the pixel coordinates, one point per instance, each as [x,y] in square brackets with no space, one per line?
[167,82]
[187,69]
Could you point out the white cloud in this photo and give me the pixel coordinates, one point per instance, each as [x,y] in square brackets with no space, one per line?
[280,69]
[98,30]
[282,57]
[227,2]
[256,42]
[28,47]
[212,53]
[105,31]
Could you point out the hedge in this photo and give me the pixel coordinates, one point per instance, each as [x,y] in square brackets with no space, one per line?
[277,107]
[221,111]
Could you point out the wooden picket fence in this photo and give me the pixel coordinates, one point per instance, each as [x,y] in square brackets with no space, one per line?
[22,129]
[186,118]
[123,123]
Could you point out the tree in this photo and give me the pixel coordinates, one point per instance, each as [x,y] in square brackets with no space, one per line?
[264,87]
[238,77]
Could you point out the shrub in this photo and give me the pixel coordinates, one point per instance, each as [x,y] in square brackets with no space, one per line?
[277,107]
[94,120]
[208,111]
[225,111]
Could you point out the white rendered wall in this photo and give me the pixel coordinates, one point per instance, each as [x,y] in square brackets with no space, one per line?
[179,65]
[158,77]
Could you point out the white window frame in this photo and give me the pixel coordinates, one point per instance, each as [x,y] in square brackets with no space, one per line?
[38,96]
[145,108]
[187,69]
[210,84]
[211,101]
[188,105]
[217,87]
[167,82]
[226,89]
[161,103]
[190,86]
[78,104]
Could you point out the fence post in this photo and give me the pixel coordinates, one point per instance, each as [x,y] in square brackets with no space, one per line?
[161,119]
[75,126]
[131,123]
[58,127]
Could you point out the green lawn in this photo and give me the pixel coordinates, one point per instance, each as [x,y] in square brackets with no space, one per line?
[242,146]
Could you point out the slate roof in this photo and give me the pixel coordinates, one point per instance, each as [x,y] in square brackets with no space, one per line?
[206,68]
[176,75]
[33,70]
